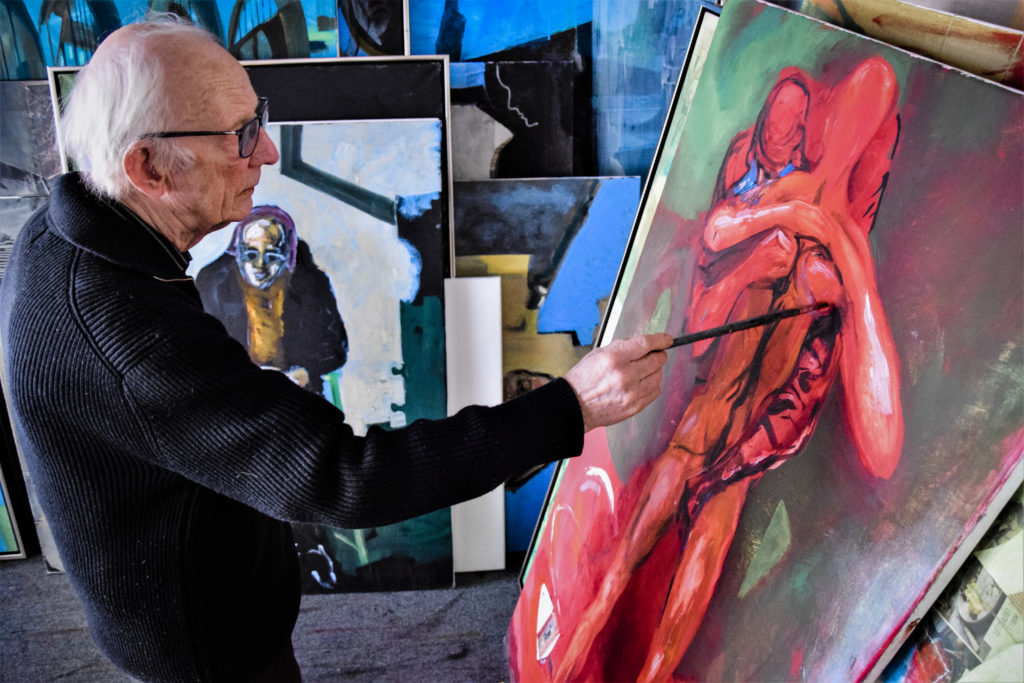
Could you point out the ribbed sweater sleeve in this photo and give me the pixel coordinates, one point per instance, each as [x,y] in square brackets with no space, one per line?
[254,436]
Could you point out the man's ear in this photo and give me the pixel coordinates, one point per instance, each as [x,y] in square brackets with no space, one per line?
[142,172]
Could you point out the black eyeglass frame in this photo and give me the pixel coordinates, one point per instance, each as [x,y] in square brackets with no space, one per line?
[261,120]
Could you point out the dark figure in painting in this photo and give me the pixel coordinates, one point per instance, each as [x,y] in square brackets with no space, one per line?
[273,299]
[787,226]
[451,31]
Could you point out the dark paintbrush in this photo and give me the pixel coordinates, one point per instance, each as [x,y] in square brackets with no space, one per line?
[756,321]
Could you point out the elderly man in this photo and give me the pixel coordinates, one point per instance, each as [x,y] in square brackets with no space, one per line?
[164,458]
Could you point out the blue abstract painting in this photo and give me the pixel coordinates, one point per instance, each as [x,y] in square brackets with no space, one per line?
[639,49]
[475,28]
[41,33]
[591,262]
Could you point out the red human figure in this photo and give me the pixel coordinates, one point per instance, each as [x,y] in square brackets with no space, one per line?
[788,226]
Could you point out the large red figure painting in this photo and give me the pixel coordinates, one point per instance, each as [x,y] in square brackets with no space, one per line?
[628,558]
[784,230]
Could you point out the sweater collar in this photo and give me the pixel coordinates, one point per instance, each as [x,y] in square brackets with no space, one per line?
[112,231]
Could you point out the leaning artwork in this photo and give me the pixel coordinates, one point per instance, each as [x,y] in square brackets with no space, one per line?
[801,491]
[334,279]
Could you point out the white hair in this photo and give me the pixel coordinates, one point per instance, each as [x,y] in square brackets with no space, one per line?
[119,96]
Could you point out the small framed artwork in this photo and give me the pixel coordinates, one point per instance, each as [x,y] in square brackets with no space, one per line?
[12,543]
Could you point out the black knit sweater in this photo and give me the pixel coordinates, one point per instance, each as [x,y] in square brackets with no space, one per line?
[164,459]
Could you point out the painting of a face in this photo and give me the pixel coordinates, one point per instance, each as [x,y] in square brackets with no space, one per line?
[262,252]
[781,126]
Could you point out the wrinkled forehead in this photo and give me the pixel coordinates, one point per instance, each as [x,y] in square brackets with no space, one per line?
[205,85]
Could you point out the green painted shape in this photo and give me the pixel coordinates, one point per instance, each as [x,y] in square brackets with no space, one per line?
[332,380]
[774,544]
[423,367]
[662,311]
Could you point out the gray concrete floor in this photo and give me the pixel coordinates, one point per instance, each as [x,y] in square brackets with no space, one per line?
[455,634]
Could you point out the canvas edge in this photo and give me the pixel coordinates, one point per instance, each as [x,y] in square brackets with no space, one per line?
[53,78]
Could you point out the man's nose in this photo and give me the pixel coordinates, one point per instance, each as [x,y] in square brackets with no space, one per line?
[266,151]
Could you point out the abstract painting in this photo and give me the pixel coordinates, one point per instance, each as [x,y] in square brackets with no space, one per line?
[556,243]
[8,540]
[11,546]
[29,160]
[639,50]
[28,140]
[801,491]
[299,284]
[41,33]
[512,119]
[479,28]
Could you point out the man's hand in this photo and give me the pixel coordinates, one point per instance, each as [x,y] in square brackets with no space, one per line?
[617,381]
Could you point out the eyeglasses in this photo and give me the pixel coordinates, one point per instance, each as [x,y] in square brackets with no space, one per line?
[248,134]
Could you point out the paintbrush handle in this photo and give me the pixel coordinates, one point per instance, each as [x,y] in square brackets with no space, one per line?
[756,321]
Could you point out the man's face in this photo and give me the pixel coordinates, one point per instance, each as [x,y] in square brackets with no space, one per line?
[218,189]
[262,252]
